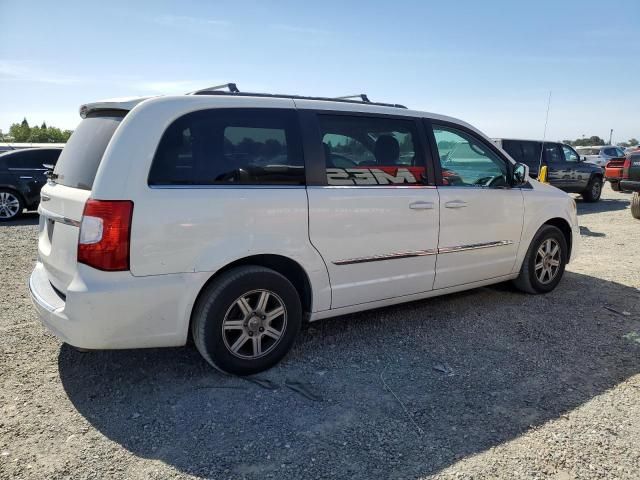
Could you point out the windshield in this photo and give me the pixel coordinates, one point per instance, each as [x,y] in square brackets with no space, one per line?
[81,156]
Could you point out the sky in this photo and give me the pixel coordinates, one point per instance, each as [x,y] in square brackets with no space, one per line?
[490,63]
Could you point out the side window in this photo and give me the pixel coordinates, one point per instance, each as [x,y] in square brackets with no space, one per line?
[230,146]
[610,152]
[570,154]
[467,161]
[46,156]
[531,153]
[26,159]
[553,153]
[371,151]
[514,149]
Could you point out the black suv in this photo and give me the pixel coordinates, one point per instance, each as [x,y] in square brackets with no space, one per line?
[22,175]
[566,170]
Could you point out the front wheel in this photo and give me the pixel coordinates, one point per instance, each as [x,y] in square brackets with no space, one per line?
[635,205]
[544,264]
[247,320]
[593,191]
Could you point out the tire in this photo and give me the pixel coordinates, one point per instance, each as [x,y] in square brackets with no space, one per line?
[635,205]
[11,205]
[615,186]
[232,303]
[529,279]
[593,191]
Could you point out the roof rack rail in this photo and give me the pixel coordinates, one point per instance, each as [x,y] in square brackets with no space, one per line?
[230,86]
[232,89]
[361,96]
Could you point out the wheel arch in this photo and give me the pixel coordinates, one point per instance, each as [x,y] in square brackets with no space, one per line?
[564,226]
[14,189]
[599,175]
[285,266]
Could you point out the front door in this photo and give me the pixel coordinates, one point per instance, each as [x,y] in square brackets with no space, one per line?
[480,214]
[582,171]
[373,217]
[560,173]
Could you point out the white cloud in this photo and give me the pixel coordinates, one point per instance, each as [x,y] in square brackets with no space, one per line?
[29,72]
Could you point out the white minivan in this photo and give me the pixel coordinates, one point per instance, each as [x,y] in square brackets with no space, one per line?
[236,217]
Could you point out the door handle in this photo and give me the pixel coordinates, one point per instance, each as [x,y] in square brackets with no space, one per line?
[422,206]
[455,204]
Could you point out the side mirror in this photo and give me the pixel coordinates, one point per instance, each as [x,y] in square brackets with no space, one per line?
[520,174]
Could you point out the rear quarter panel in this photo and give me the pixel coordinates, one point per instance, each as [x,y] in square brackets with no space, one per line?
[179,230]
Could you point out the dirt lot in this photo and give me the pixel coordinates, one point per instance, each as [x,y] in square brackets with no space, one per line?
[489,383]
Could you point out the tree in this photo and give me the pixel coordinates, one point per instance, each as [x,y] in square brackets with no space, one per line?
[632,142]
[568,142]
[587,142]
[22,132]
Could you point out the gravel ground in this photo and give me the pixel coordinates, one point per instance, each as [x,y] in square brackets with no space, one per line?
[488,383]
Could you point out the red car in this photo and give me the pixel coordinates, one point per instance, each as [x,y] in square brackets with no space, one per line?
[616,170]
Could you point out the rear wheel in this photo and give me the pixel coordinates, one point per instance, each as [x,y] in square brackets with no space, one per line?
[544,264]
[593,191]
[635,205]
[615,186]
[11,205]
[247,320]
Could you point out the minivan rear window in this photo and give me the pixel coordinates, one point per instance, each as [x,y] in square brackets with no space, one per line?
[80,159]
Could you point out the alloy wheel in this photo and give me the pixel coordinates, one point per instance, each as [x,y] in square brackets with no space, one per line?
[254,324]
[9,205]
[548,259]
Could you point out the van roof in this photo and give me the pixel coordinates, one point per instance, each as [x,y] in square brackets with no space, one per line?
[324,103]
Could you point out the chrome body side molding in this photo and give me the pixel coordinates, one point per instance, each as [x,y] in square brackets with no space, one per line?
[422,253]
[475,246]
[390,256]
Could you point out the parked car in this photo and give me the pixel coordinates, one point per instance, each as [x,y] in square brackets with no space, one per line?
[600,155]
[615,171]
[22,175]
[10,146]
[566,170]
[236,217]
[633,149]
[630,181]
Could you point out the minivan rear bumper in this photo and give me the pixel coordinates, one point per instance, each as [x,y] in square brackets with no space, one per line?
[113,310]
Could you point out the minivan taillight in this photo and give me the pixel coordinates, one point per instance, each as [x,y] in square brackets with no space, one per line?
[105,234]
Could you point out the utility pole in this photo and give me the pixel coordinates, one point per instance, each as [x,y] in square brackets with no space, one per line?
[610,136]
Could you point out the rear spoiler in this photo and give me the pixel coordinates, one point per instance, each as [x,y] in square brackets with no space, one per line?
[124,104]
